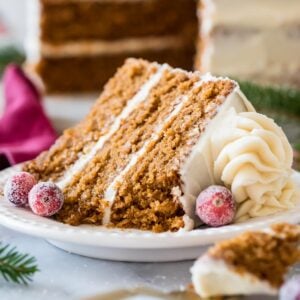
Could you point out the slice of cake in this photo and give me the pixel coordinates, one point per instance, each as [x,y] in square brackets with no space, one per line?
[259,43]
[252,263]
[76,46]
[149,145]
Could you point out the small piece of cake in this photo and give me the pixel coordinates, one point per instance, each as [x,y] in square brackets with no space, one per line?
[151,144]
[252,263]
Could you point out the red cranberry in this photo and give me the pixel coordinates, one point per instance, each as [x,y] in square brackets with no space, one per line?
[17,188]
[46,199]
[215,206]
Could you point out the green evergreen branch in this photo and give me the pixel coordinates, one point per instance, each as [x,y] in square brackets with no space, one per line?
[277,99]
[10,54]
[16,267]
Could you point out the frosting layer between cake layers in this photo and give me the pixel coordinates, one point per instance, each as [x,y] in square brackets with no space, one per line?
[78,140]
[260,42]
[131,105]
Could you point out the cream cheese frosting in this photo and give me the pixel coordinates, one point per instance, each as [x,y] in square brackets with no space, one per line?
[197,171]
[254,13]
[260,43]
[253,157]
[251,263]
[212,277]
[129,45]
[257,55]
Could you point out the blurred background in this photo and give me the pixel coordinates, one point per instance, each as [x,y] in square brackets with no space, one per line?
[13,14]
[13,31]
[68,104]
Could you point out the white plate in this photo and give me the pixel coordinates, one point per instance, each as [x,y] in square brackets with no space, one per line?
[127,245]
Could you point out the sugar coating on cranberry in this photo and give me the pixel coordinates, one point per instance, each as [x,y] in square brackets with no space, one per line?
[17,188]
[291,289]
[215,206]
[46,199]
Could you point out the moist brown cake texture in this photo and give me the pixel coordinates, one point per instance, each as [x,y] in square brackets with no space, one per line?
[93,180]
[266,256]
[145,199]
[76,22]
[77,140]
[94,20]
[90,73]
[144,196]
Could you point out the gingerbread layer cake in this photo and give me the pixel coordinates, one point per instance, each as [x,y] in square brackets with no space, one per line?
[76,46]
[251,40]
[143,153]
[252,263]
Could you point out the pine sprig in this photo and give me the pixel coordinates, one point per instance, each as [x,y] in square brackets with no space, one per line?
[280,99]
[16,267]
[10,54]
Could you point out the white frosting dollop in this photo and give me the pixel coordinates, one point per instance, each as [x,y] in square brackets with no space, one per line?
[253,158]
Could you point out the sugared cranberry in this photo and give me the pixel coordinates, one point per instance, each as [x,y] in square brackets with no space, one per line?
[291,289]
[46,199]
[17,188]
[215,206]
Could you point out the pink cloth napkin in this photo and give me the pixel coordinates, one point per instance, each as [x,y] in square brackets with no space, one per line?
[25,130]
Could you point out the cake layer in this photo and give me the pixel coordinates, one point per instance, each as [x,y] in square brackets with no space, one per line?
[76,141]
[89,73]
[109,20]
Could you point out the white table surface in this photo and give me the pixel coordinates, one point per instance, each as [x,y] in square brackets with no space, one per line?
[66,276]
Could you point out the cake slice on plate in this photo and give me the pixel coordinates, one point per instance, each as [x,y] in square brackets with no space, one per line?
[153,141]
[252,263]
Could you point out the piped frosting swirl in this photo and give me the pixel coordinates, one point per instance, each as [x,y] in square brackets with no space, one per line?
[253,157]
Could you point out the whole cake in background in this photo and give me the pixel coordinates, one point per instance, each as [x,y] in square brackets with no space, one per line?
[76,46]
[257,40]
[158,136]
